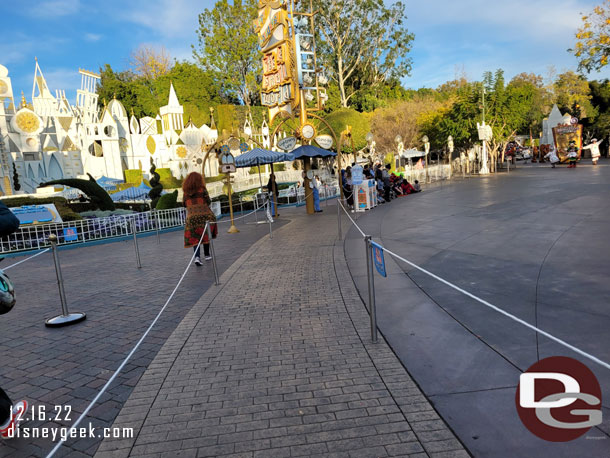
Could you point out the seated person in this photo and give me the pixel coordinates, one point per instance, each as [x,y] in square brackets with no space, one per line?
[395,185]
[407,188]
[417,186]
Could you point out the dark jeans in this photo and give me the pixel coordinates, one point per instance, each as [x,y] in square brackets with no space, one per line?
[5,407]
[206,250]
[386,190]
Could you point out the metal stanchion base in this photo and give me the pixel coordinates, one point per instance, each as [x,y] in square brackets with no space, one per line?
[65,320]
[233,229]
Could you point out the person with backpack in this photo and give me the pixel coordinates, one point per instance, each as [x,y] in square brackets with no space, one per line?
[10,414]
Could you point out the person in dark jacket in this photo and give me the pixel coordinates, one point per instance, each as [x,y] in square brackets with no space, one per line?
[274,193]
[9,414]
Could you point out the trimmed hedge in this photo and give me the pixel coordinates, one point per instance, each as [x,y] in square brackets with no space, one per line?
[167,201]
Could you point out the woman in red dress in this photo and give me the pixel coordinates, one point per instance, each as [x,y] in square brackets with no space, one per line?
[198,213]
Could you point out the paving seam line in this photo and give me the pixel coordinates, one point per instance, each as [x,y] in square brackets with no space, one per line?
[161,365]
[348,290]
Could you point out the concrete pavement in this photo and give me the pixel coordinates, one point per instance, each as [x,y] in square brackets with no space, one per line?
[533,242]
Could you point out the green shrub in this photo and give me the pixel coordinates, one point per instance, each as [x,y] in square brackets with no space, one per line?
[360,122]
[167,201]
[96,194]
[168,180]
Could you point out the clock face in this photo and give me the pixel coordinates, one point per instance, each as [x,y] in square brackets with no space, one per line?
[3,87]
[308,131]
[27,122]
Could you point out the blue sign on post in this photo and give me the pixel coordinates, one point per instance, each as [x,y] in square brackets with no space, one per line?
[70,234]
[357,174]
[378,259]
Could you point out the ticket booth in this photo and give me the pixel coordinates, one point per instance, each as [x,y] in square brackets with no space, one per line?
[365,195]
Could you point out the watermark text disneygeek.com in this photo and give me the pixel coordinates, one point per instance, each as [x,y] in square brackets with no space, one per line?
[64,433]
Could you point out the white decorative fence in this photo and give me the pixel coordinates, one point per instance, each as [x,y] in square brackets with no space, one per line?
[35,237]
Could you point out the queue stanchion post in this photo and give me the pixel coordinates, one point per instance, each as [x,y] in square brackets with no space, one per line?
[66,318]
[339,218]
[371,287]
[270,219]
[135,241]
[213,253]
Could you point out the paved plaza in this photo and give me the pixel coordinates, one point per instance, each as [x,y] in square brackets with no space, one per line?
[277,360]
[533,242]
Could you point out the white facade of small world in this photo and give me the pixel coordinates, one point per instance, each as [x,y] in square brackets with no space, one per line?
[52,139]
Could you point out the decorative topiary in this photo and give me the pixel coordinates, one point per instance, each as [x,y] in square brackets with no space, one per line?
[155,184]
[16,184]
[167,201]
[97,195]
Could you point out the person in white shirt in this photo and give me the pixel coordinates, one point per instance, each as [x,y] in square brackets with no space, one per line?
[552,156]
[594,148]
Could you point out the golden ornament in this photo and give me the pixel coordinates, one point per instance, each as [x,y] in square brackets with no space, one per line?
[27,122]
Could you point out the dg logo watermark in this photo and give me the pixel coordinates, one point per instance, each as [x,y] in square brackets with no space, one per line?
[559,399]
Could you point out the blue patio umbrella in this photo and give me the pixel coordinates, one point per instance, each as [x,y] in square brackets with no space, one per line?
[260,156]
[311,151]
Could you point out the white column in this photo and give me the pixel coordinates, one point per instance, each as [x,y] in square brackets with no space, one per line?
[484,167]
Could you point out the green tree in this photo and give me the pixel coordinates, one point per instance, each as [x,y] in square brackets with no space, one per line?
[600,98]
[360,123]
[228,48]
[364,43]
[196,89]
[574,95]
[593,39]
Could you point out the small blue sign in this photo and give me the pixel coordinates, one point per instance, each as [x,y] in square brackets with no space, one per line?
[70,234]
[378,259]
[357,174]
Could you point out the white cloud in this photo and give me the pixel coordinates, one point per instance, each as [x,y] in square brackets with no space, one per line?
[168,18]
[93,37]
[517,36]
[67,79]
[55,8]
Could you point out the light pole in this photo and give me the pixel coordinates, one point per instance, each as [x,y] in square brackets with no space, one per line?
[400,147]
[484,136]
[450,148]
[370,141]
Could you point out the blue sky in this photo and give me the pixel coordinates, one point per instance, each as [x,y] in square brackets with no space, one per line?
[452,37]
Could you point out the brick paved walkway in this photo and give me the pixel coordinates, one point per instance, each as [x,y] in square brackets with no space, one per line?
[68,366]
[277,361]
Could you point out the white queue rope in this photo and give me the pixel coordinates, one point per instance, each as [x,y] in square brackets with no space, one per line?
[350,217]
[491,306]
[246,215]
[134,349]
[26,259]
